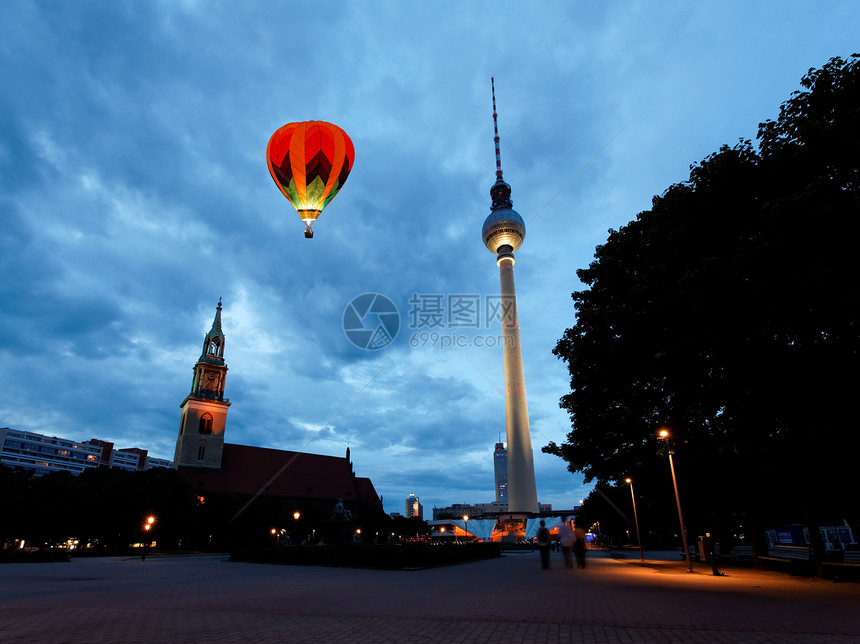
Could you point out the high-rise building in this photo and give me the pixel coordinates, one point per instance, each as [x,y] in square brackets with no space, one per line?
[413,507]
[503,233]
[500,471]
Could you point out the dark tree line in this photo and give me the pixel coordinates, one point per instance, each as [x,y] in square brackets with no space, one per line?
[107,509]
[729,314]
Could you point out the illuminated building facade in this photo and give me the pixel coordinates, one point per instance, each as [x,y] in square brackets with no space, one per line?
[131,459]
[500,472]
[503,233]
[474,510]
[42,454]
[413,507]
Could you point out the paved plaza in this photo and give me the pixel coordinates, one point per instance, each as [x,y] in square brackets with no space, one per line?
[205,598]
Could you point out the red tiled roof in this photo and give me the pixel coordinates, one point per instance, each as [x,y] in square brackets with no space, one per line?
[248,470]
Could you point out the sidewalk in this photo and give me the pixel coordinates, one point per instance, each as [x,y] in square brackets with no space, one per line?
[203,598]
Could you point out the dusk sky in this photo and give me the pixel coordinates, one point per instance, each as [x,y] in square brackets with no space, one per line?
[135,194]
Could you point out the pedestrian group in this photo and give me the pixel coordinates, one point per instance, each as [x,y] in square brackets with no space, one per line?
[570,538]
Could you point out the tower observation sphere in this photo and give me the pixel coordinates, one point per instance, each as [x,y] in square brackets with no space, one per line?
[503,227]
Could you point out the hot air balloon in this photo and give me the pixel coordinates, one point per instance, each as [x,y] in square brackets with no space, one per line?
[310,162]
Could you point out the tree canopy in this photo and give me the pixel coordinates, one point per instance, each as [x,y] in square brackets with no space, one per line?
[728,313]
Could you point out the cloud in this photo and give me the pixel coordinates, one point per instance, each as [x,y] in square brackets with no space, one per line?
[135,194]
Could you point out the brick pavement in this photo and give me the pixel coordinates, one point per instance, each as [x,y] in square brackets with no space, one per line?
[203,598]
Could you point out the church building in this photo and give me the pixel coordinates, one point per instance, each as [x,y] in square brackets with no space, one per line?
[310,483]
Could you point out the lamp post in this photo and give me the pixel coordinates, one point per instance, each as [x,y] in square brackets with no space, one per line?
[466,524]
[664,434]
[636,519]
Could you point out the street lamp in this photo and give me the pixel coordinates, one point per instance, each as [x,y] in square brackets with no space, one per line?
[629,482]
[466,524]
[664,434]
[147,528]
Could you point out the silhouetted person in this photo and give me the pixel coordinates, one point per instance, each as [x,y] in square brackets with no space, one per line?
[566,539]
[579,546]
[543,541]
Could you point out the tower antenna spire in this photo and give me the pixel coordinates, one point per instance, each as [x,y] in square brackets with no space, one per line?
[500,193]
[496,130]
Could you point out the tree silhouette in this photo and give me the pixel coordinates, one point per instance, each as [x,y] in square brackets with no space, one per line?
[728,313]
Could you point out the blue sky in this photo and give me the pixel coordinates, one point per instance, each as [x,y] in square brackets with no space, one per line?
[135,193]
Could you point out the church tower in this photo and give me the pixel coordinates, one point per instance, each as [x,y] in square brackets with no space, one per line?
[204,410]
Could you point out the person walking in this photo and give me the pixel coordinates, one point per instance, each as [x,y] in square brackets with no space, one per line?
[543,541]
[566,539]
[579,546]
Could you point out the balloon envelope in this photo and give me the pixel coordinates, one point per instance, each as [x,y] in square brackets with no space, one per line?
[309,162]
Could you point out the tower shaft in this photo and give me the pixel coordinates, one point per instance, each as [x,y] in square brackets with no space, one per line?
[522,492]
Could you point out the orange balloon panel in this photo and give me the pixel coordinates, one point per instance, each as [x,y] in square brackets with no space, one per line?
[310,162]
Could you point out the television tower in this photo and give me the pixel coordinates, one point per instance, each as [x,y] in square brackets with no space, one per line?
[503,233]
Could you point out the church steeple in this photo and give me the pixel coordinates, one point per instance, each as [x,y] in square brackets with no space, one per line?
[204,410]
[210,370]
[213,343]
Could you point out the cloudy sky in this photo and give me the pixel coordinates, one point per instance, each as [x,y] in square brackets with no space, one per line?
[135,193]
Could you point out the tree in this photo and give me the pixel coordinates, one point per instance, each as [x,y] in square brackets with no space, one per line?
[729,312]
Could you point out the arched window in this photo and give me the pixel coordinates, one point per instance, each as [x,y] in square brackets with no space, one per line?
[205,424]
[201,451]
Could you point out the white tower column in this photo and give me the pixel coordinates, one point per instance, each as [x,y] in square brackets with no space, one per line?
[522,491]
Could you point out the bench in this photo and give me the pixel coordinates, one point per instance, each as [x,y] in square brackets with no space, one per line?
[851,557]
[789,553]
[850,560]
[785,553]
[740,553]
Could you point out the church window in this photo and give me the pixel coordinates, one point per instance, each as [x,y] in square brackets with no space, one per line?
[201,451]
[205,424]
